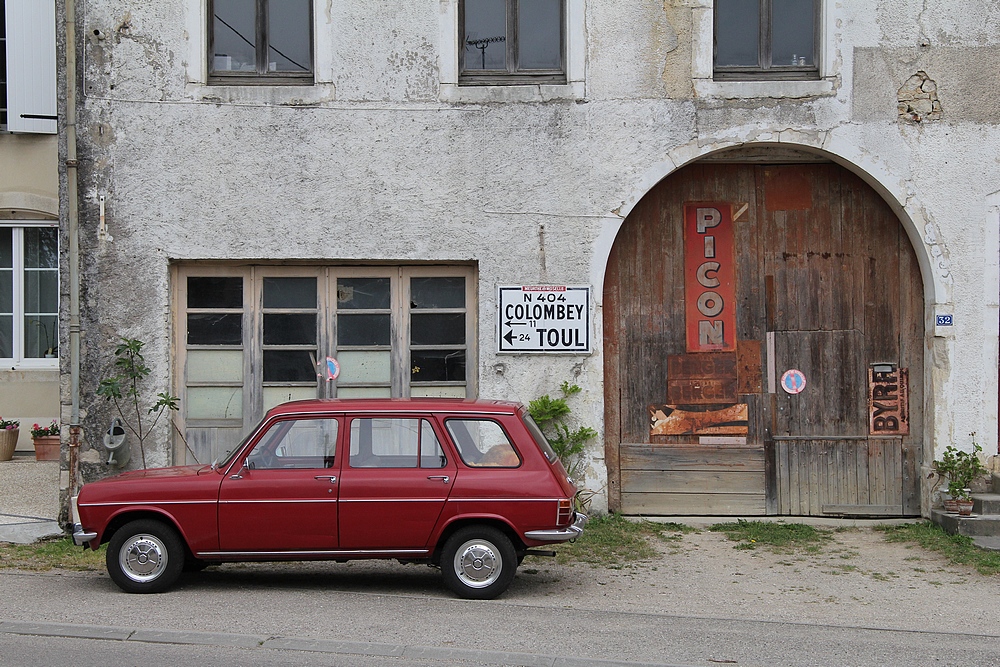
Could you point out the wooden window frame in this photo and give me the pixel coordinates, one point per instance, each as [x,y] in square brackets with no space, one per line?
[513,75]
[765,70]
[262,77]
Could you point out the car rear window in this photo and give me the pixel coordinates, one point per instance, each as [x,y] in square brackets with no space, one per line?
[539,438]
[482,443]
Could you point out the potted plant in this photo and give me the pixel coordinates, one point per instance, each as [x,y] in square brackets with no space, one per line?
[8,438]
[46,441]
[964,468]
[945,467]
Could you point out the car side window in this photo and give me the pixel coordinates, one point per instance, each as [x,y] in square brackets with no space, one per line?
[296,443]
[482,443]
[395,443]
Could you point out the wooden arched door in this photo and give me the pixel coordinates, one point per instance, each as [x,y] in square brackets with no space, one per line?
[825,283]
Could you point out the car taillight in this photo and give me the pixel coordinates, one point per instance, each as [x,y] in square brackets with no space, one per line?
[565,511]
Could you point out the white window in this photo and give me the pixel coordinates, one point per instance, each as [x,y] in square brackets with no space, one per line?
[29,296]
[774,39]
[260,41]
[249,338]
[28,78]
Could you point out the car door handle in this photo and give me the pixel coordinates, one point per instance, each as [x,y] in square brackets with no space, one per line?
[444,478]
[332,478]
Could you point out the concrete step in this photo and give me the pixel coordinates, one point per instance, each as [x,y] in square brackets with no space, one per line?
[988,543]
[976,525]
[986,503]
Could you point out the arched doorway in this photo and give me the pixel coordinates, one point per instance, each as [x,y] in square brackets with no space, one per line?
[822,281]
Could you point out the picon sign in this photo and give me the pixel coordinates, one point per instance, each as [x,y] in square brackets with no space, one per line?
[543,318]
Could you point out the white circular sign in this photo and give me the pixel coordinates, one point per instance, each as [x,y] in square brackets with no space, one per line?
[793,381]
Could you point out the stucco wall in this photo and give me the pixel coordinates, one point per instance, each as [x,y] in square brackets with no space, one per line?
[371,164]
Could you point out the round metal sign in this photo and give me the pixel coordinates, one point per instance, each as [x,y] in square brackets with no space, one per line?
[332,369]
[793,381]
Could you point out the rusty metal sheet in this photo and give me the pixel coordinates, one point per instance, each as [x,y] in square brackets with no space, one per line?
[670,420]
[889,402]
[701,379]
[749,378]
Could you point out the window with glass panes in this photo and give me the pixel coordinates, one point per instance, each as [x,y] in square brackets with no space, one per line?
[260,41]
[772,39]
[253,337]
[29,295]
[512,41]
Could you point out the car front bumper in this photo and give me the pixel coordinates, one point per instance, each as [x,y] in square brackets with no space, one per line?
[82,538]
[560,534]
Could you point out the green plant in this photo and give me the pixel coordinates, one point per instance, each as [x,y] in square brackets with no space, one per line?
[122,389]
[41,431]
[776,535]
[8,424]
[550,414]
[961,468]
[611,540]
[956,548]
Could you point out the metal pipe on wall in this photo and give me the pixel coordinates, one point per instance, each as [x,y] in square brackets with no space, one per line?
[73,231]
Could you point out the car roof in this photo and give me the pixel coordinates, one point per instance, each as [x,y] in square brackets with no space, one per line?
[394,405]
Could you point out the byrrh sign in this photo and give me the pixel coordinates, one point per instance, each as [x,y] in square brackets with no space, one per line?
[709,277]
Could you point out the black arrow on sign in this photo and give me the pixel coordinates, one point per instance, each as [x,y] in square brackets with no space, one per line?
[509,338]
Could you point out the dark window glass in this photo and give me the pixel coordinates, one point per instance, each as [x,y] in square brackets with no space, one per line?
[503,38]
[215,329]
[215,292]
[792,33]
[437,365]
[235,33]
[289,292]
[289,366]
[41,291]
[736,25]
[6,247]
[261,38]
[485,40]
[289,329]
[6,291]
[288,36]
[6,336]
[437,292]
[538,31]
[437,329]
[765,37]
[40,336]
[363,293]
[363,329]
[41,248]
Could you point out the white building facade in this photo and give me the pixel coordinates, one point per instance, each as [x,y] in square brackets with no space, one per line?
[264,186]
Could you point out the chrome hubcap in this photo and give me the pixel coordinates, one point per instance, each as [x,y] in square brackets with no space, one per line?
[477,563]
[143,558]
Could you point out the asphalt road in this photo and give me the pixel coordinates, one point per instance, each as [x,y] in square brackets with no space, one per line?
[400,615]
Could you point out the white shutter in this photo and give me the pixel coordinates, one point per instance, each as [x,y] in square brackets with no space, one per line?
[31,66]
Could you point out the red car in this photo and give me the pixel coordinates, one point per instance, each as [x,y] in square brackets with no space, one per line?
[469,486]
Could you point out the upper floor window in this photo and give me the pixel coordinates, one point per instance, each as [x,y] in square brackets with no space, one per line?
[29,295]
[767,39]
[512,41]
[260,41]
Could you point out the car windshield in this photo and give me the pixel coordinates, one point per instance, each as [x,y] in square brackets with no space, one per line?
[539,438]
[227,457]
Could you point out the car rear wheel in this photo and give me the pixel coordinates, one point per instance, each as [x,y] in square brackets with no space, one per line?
[145,556]
[478,562]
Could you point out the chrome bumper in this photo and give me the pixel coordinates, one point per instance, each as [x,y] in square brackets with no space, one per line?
[560,534]
[82,538]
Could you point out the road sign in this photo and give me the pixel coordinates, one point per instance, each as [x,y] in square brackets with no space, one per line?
[543,318]
[793,381]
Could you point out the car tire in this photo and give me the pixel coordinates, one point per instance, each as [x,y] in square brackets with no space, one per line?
[478,562]
[145,556]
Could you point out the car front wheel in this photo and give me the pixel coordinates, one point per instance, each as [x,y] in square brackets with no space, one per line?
[478,562]
[145,556]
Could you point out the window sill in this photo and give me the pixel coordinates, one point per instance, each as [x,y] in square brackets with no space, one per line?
[709,88]
[517,92]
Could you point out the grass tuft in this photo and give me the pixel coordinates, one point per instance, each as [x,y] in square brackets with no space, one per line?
[59,553]
[611,540]
[956,548]
[784,537]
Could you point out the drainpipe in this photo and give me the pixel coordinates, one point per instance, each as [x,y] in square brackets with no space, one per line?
[73,223]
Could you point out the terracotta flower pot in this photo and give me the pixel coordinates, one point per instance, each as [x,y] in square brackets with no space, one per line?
[8,442]
[965,507]
[951,505]
[46,447]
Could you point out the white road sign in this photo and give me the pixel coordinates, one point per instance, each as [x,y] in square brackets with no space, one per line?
[543,318]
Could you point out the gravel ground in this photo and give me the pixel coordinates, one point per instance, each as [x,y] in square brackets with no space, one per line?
[857,579]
